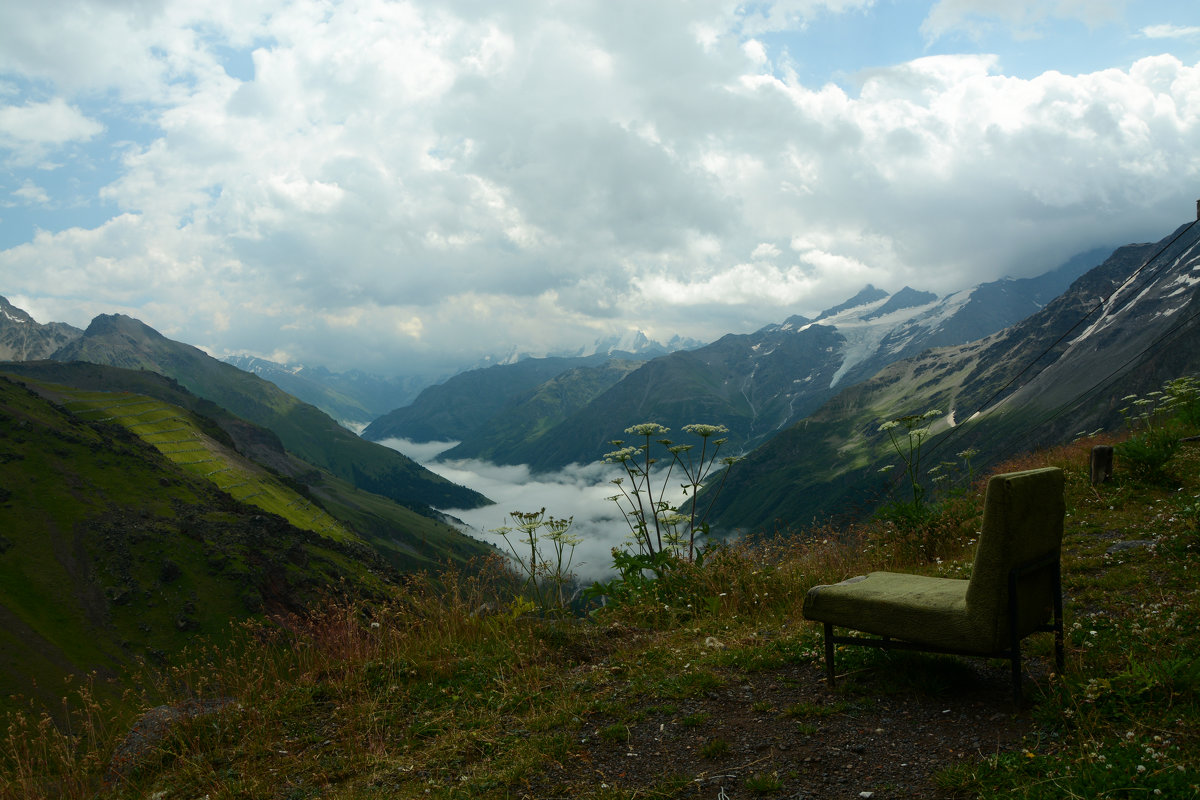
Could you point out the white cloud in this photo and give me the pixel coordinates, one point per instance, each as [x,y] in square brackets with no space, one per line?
[415,185]
[1169,31]
[34,129]
[30,192]
[581,492]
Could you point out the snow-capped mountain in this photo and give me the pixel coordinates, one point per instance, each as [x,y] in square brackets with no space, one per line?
[1125,327]
[632,343]
[756,384]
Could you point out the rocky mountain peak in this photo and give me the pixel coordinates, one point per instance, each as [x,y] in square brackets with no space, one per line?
[22,338]
[868,294]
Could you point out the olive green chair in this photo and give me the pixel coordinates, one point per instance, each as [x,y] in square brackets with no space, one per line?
[1015,587]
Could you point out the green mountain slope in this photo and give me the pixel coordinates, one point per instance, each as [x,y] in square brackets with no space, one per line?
[518,432]
[110,551]
[685,387]
[464,405]
[247,461]
[305,430]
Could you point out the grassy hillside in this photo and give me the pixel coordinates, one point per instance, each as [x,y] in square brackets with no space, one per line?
[248,461]
[305,430]
[705,683]
[111,551]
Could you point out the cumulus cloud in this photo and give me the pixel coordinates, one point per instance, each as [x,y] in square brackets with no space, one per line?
[33,129]
[409,186]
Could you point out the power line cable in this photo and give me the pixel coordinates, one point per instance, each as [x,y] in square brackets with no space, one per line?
[960,429]
[1163,339]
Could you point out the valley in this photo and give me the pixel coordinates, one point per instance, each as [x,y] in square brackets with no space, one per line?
[153,495]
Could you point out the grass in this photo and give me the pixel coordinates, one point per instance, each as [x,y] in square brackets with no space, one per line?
[445,689]
[177,434]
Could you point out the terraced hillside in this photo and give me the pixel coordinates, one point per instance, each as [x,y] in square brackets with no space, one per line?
[248,460]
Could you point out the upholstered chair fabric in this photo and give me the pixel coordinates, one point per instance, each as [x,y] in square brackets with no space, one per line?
[1022,523]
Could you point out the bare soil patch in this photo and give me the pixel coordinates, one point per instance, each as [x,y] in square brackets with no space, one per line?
[782,733]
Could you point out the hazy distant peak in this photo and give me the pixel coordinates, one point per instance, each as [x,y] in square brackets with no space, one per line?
[633,342]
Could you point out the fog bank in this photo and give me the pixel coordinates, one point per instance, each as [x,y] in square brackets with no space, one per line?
[581,491]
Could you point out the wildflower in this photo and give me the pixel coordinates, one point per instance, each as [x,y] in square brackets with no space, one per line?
[621,456]
[647,429]
[705,431]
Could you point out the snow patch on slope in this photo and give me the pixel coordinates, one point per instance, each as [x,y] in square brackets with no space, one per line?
[863,335]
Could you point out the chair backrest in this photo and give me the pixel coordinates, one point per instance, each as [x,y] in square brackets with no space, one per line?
[1022,521]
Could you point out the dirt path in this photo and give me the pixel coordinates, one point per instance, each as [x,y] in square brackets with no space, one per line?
[784,728]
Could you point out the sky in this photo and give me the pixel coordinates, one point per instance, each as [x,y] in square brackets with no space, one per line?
[409,187]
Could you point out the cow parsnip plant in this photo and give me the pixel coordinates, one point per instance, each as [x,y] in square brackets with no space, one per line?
[543,550]
[656,524]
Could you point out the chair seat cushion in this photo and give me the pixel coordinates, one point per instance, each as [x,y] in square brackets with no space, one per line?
[915,608]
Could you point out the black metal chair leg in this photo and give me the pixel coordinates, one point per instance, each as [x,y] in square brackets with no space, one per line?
[829,653]
[1016,673]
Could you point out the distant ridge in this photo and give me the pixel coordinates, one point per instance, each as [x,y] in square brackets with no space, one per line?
[23,339]
[122,341]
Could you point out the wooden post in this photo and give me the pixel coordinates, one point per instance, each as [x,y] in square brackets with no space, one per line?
[1102,463]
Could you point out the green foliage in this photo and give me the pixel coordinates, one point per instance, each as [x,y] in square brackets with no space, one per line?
[616,733]
[921,527]
[1155,423]
[924,533]
[764,783]
[661,570]
[545,576]
[907,434]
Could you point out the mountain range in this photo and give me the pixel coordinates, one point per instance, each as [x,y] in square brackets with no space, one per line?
[756,384]
[150,493]
[1124,327]
[353,398]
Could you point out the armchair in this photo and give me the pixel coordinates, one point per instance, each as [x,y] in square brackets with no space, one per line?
[1014,589]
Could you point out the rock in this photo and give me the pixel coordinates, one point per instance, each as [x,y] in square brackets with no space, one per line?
[1136,544]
